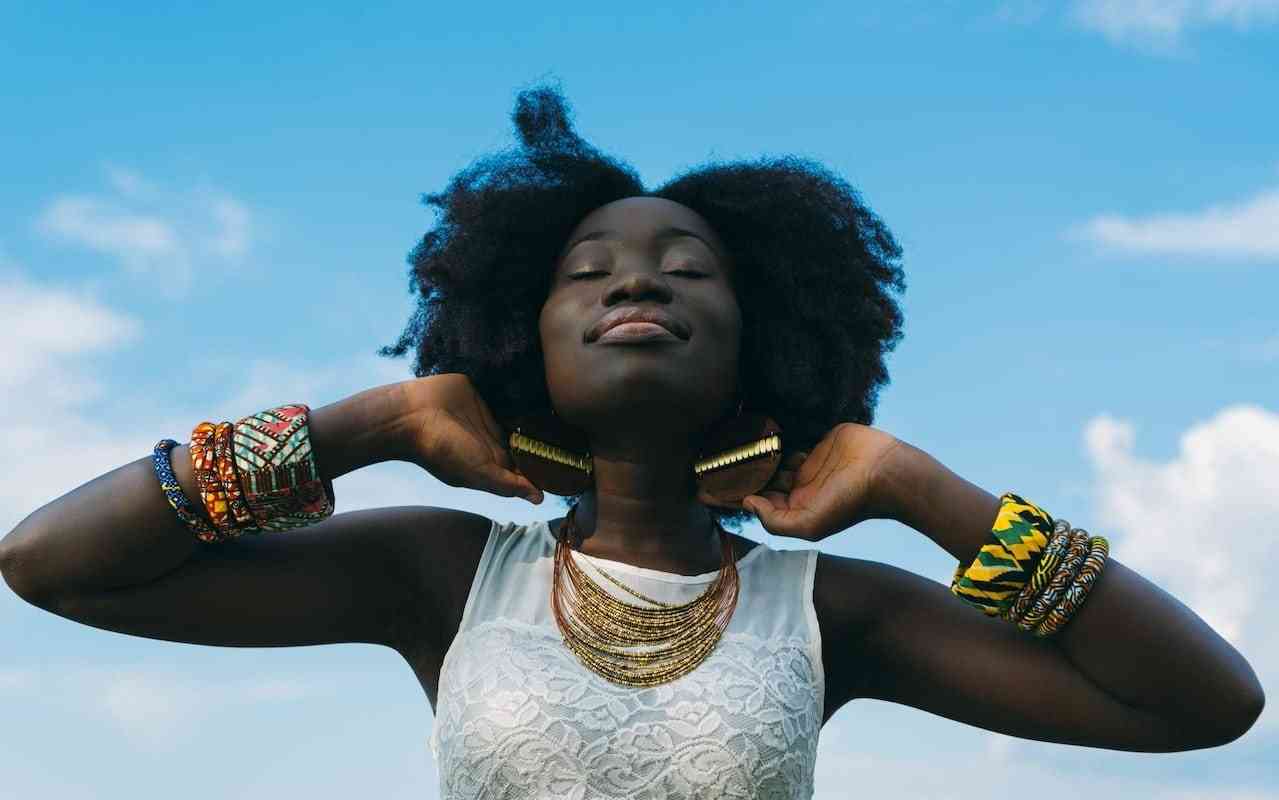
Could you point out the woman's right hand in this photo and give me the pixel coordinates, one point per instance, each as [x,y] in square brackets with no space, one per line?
[454,436]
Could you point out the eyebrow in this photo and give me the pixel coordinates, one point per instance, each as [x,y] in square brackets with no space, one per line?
[669,232]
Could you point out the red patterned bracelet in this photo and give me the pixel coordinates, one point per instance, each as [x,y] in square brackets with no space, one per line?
[282,484]
[229,477]
[204,465]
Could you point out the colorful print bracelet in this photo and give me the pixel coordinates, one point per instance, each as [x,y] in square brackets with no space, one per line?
[1049,561]
[204,464]
[1060,581]
[1035,572]
[282,484]
[160,458]
[1073,600]
[1003,566]
[224,465]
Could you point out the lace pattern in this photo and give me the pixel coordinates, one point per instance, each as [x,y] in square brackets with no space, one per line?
[519,717]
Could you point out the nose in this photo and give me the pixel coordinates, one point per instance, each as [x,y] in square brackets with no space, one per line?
[638,285]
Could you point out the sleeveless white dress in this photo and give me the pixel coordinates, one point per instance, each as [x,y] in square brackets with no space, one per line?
[518,716]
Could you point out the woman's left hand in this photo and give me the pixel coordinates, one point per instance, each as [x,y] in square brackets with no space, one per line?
[837,485]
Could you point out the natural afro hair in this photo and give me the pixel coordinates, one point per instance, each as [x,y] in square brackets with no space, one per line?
[813,269]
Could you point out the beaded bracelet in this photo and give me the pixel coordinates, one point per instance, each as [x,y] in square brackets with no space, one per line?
[174,494]
[1064,611]
[1035,581]
[1061,579]
[255,475]
[1002,567]
[203,464]
[1049,561]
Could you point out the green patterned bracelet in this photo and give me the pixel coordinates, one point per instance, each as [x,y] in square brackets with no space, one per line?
[283,488]
[995,578]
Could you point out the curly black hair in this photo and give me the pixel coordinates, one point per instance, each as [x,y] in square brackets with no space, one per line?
[814,269]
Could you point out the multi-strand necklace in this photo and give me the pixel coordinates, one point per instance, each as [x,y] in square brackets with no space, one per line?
[635,645]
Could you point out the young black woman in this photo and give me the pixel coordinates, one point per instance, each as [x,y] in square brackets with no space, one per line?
[533,251]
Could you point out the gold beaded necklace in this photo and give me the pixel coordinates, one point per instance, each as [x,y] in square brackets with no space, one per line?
[634,645]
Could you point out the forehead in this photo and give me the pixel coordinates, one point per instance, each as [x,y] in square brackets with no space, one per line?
[643,218]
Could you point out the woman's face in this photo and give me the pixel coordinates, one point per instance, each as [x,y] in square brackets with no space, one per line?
[642,255]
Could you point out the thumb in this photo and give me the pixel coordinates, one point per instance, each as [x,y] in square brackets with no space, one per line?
[759,506]
[507,483]
[776,518]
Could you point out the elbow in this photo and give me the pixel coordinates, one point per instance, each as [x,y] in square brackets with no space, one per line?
[9,564]
[1251,713]
[1249,708]
[12,568]
[1225,729]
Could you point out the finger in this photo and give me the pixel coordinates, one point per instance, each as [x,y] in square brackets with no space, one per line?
[774,514]
[493,431]
[762,508]
[778,499]
[506,483]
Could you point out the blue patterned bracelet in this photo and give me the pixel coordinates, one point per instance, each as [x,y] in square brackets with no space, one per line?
[174,494]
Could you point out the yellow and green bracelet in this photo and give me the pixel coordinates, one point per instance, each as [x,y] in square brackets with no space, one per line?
[1005,564]
[1035,572]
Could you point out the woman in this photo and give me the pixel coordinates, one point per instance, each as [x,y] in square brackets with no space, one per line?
[580,335]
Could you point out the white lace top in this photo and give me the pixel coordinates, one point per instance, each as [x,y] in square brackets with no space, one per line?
[517,716]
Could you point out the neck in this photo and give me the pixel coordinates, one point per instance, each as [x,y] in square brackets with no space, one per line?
[646,509]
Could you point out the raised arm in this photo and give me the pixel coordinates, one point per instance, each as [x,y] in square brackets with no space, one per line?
[112,553]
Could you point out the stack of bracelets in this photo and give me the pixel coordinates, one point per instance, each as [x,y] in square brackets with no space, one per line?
[1035,572]
[256,475]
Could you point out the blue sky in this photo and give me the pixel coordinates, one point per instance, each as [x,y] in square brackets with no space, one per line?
[1088,198]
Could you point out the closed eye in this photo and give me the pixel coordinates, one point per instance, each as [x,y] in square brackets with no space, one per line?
[596,273]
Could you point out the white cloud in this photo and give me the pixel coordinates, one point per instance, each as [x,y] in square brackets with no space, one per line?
[1203,524]
[872,760]
[151,231]
[129,183]
[230,239]
[1247,229]
[264,382]
[1161,24]
[50,382]
[46,380]
[157,708]
[136,239]
[45,327]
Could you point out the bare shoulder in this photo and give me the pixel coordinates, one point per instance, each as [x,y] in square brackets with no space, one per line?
[440,548]
[849,596]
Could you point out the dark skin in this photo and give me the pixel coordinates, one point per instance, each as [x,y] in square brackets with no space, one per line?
[642,405]
[1134,670]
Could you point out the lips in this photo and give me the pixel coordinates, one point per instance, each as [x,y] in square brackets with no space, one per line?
[624,314]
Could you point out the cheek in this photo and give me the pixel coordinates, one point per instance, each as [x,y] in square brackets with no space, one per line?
[556,326]
[728,322]
[733,333]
